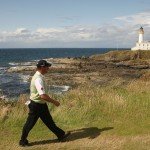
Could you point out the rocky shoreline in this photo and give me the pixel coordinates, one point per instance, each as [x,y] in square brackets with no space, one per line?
[97,69]
[100,70]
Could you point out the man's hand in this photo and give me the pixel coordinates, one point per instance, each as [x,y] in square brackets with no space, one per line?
[56,103]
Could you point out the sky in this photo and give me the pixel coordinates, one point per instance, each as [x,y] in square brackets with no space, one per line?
[73,23]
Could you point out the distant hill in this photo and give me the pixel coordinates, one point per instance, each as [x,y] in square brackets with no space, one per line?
[126,55]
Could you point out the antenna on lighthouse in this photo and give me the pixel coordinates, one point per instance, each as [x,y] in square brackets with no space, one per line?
[117,43]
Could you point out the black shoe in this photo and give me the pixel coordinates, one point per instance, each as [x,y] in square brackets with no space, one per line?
[64,137]
[24,143]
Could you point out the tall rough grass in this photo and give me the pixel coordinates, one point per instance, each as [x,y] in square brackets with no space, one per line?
[109,106]
[126,108]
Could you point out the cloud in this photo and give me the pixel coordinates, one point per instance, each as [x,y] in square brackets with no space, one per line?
[137,19]
[21,31]
[121,31]
[132,23]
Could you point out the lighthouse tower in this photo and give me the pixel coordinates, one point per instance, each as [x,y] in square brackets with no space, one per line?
[141,35]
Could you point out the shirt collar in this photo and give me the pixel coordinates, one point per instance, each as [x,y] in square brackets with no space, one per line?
[39,73]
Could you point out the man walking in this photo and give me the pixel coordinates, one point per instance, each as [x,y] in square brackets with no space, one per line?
[38,107]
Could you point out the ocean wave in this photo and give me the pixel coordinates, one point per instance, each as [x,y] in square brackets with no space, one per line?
[58,89]
[24,78]
[13,91]
[6,78]
[13,64]
[2,70]
[21,63]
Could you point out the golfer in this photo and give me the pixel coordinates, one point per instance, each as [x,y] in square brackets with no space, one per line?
[38,107]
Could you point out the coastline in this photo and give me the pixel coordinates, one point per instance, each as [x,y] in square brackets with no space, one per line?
[99,69]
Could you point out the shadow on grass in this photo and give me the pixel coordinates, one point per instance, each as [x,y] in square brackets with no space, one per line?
[89,133]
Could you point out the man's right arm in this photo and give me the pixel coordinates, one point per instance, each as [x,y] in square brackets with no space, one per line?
[48,99]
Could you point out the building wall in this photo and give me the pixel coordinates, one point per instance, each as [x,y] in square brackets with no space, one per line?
[142,46]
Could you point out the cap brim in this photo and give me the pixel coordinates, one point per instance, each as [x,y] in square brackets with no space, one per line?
[48,65]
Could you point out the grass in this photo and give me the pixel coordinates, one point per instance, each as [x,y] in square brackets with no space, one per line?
[125,55]
[111,117]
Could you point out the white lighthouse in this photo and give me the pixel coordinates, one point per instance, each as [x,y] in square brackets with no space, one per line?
[141,35]
[141,44]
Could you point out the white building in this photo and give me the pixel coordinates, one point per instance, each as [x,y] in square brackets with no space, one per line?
[141,44]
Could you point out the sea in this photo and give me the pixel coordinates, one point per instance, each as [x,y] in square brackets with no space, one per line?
[14,84]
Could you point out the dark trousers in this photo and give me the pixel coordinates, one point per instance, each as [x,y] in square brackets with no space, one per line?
[41,111]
